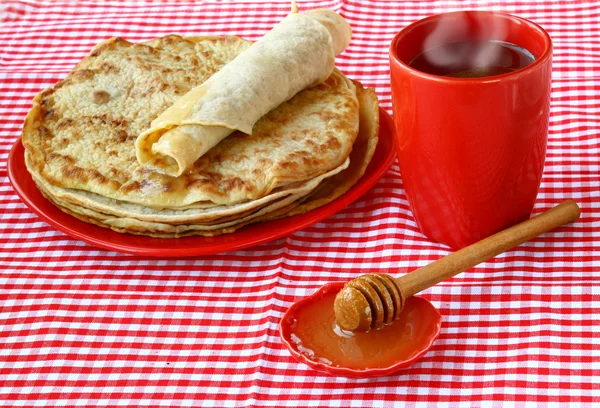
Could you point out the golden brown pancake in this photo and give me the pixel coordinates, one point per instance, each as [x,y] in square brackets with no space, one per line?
[80,134]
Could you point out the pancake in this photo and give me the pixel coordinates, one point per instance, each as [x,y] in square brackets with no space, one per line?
[80,143]
[80,134]
[132,225]
[95,202]
[167,225]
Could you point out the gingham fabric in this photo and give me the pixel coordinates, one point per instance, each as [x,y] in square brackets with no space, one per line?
[87,327]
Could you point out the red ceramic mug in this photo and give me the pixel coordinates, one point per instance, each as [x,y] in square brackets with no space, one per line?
[471,150]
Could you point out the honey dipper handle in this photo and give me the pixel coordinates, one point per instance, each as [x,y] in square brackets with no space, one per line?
[474,254]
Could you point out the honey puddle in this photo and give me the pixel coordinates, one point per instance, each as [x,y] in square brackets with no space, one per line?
[315,334]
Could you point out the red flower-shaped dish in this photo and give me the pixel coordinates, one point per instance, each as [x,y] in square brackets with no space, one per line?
[417,342]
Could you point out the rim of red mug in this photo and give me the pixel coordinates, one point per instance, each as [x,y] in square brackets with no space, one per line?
[538,61]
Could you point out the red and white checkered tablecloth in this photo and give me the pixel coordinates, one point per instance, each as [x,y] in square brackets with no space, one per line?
[83,326]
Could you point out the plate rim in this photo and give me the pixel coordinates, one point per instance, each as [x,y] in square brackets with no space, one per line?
[222,243]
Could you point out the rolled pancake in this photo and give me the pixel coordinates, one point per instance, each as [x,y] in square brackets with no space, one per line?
[296,54]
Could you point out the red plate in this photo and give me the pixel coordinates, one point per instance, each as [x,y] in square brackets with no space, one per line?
[245,237]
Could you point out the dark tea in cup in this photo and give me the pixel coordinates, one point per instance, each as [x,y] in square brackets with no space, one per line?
[472,59]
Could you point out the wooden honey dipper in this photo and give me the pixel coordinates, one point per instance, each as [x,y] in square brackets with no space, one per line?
[372,300]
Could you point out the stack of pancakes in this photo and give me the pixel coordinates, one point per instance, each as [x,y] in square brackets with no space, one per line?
[80,143]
